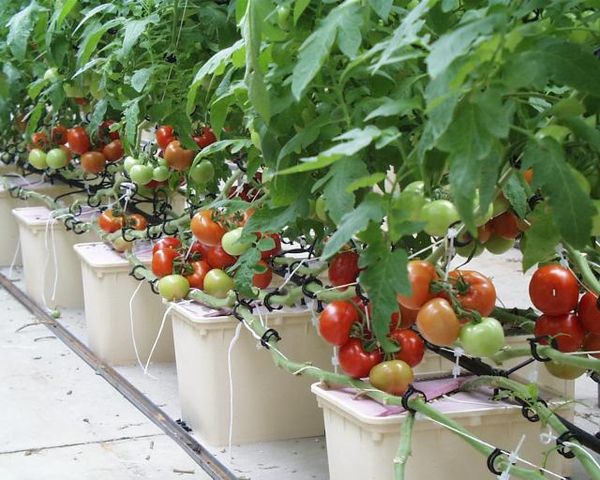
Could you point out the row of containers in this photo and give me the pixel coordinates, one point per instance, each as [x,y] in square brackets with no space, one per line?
[362,436]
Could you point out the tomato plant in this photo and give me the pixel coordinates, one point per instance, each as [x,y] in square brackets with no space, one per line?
[199,268]
[177,157]
[589,313]
[217,283]
[93,162]
[109,222]
[162,261]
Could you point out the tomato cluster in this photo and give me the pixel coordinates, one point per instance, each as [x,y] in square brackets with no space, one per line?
[50,152]
[110,221]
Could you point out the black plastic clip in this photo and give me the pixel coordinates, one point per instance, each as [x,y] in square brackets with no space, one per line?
[491,461]
[409,393]
[79,228]
[124,233]
[595,376]
[166,232]
[560,443]
[528,412]
[94,204]
[533,343]
[153,286]
[267,300]
[267,336]
[134,270]
[150,234]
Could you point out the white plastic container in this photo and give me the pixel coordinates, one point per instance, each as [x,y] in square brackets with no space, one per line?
[9,236]
[107,290]
[268,403]
[362,441]
[50,267]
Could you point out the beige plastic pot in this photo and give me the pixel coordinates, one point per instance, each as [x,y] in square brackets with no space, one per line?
[107,291]
[50,267]
[268,403]
[362,442]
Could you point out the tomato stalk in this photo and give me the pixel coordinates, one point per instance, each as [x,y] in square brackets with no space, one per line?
[578,259]
[405,448]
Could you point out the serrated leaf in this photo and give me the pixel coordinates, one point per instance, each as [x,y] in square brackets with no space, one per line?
[382,7]
[221,145]
[133,31]
[315,49]
[392,107]
[584,131]
[65,10]
[20,27]
[338,200]
[364,182]
[273,220]
[106,7]
[541,238]
[35,88]
[131,114]
[244,271]
[218,111]
[302,139]
[98,115]
[404,217]
[571,207]
[140,78]
[93,62]
[382,281]
[299,7]
[516,195]
[92,38]
[369,210]
[34,118]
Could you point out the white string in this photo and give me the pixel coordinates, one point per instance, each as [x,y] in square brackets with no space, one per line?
[470,402]
[55,257]
[46,262]
[291,274]
[235,338]
[14,261]
[135,348]
[512,460]
[581,449]
[336,287]
[433,245]
[162,325]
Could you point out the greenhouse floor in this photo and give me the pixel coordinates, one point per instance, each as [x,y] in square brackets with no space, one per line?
[61,421]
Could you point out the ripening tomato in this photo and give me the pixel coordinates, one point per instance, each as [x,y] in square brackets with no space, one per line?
[412,346]
[438,323]
[205,229]
[589,313]
[205,138]
[420,276]
[343,269]
[59,135]
[554,290]
[113,151]
[217,257]
[217,283]
[355,361]
[200,269]
[563,371]
[506,225]
[39,140]
[336,320]
[166,242]
[565,329]
[177,157]
[474,291]
[406,316]
[592,344]
[483,338]
[263,280]
[392,377]
[78,140]
[528,175]
[484,233]
[173,287]
[162,261]
[276,250]
[164,136]
[104,133]
[109,222]
[137,221]
[93,162]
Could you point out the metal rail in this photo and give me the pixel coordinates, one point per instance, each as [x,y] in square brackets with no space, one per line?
[208,462]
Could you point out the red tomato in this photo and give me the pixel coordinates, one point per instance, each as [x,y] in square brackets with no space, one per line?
[196,279]
[93,162]
[113,151]
[205,138]
[356,361]
[336,320]
[137,221]
[40,140]
[177,157]
[219,258]
[420,276]
[412,346]
[438,323]
[263,280]
[166,242]
[199,249]
[588,313]
[484,233]
[276,250]
[162,261]
[406,317]
[566,330]
[343,269]
[108,222]
[205,229]
[528,175]
[554,290]
[164,136]
[59,135]
[474,291]
[104,133]
[78,140]
[592,344]
[506,225]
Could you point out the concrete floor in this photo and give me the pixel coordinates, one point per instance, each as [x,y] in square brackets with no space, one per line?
[60,421]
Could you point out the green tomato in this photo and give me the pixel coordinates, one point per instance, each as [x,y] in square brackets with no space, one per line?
[203,172]
[161,173]
[500,206]
[566,372]
[162,162]
[482,339]
[416,187]
[473,249]
[596,219]
[141,174]
[498,245]
[232,243]
[410,202]
[557,132]
[129,162]
[51,75]
[320,209]
[72,91]
[283,16]
[439,215]
[173,287]
[37,159]
[217,283]
[57,158]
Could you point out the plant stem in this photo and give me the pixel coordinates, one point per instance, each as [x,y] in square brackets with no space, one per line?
[404,449]
[578,259]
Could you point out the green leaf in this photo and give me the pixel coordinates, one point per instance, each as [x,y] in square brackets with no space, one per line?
[571,207]
[133,31]
[369,210]
[140,78]
[35,88]
[516,195]
[273,220]
[314,51]
[20,27]
[352,142]
[404,217]
[337,198]
[106,7]
[66,9]
[392,107]
[584,131]
[541,239]
[98,115]
[34,118]
[236,144]
[382,281]
[92,38]
[131,114]
[367,181]
[244,271]
[299,7]
[302,139]
[218,111]
[382,7]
